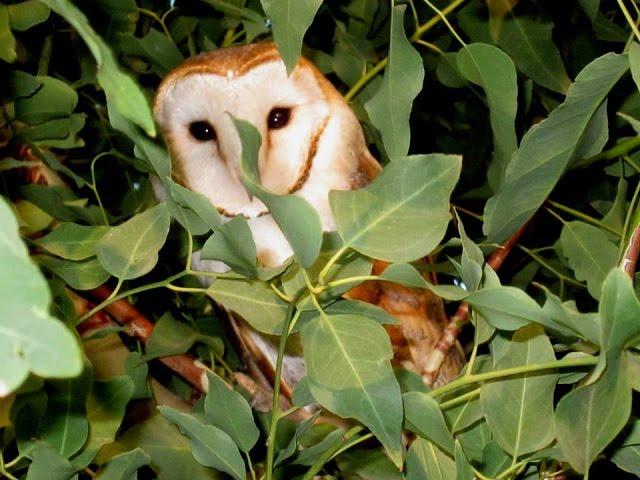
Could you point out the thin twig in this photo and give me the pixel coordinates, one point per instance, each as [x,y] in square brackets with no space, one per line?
[630,257]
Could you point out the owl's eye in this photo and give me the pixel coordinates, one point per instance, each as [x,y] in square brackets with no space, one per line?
[202,131]
[278,118]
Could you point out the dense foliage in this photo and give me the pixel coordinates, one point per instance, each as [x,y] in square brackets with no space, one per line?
[534,110]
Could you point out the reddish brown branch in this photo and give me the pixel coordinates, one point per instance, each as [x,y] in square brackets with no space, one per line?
[452,330]
[630,258]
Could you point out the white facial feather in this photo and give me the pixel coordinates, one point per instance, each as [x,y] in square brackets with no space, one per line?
[320,149]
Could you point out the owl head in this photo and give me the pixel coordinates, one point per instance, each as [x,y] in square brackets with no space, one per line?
[312,142]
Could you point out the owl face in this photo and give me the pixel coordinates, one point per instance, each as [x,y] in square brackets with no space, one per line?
[311,141]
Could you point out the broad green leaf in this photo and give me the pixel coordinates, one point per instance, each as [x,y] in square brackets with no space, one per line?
[121,90]
[309,455]
[210,446]
[380,220]
[54,99]
[406,274]
[72,241]
[155,46]
[130,250]
[634,62]
[231,242]
[65,426]
[619,311]
[297,219]
[124,466]
[290,19]
[83,275]
[369,464]
[106,406]
[360,382]
[626,455]
[493,70]
[426,461]
[566,319]
[589,417]
[7,40]
[547,148]
[170,452]
[356,307]
[591,253]
[590,7]
[171,337]
[422,415]
[254,301]
[463,467]
[301,396]
[506,308]
[530,45]
[25,15]
[390,107]
[596,135]
[519,409]
[48,464]
[230,412]
[292,446]
[30,339]
[153,154]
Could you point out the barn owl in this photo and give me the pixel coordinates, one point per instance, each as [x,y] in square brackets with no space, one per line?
[312,142]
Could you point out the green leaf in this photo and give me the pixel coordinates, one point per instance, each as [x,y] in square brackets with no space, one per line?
[548,147]
[106,406]
[634,62]
[171,337]
[627,452]
[121,90]
[83,275]
[72,241]
[65,426]
[360,382]
[30,339]
[390,107]
[25,15]
[590,252]
[210,446]
[254,301]
[530,45]
[422,415]
[124,466]
[292,446]
[155,46]
[380,220]
[54,99]
[7,40]
[463,467]
[130,250]
[519,410]
[230,412]
[290,19]
[406,274]
[297,219]
[48,464]
[506,308]
[426,460]
[589,417]
[169,451]
[493,70]
[619,311]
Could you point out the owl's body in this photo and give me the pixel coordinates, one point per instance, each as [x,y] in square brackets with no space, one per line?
[312,143]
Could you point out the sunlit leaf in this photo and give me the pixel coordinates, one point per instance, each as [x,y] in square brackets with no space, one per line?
[379,220]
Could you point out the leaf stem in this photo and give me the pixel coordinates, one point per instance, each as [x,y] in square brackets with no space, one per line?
[325,270]
[464,398]
[280,293]
[443,17]
[509,372]
[250,464]
[583,216]
[630,21]
[114,298]
[275,409]
[619,150]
